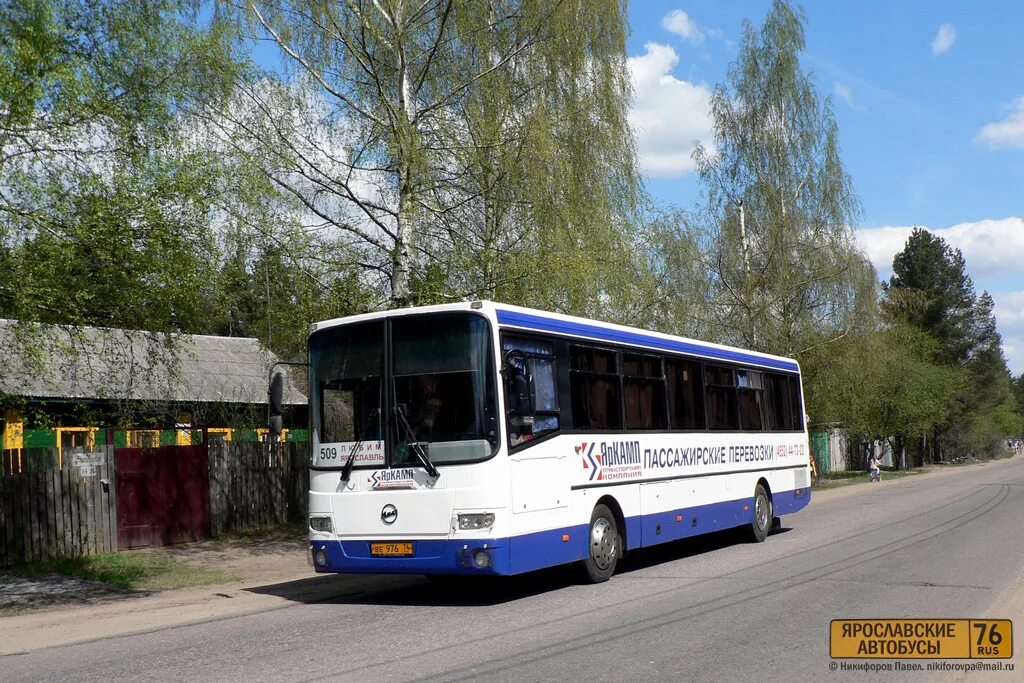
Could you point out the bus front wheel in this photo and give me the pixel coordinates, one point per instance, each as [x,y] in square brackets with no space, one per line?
[604,545]
[762,523]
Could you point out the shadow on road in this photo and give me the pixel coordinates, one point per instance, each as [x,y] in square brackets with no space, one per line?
[466,591]
[687,547]
[19,595]
[463,591]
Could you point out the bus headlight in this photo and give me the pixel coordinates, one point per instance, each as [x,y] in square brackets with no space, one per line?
[480,520]
[321,524]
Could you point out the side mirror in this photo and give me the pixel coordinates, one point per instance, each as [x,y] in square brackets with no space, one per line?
[275,396]
[275,425]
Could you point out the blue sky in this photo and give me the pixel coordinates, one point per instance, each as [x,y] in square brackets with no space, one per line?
[929,98]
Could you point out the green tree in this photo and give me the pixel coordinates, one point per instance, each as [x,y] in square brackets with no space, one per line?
[886,385]
[988,413]
[776,225]
[548,160]
[933,277]
[1018,393]
[274,293]
[675,287]
[104,212]
[454,142]
[931,290]
[107,211]
[780,207]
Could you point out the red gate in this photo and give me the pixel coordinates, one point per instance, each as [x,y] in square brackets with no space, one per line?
[163,495]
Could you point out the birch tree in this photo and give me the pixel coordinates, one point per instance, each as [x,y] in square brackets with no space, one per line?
[779,206]
[449,138]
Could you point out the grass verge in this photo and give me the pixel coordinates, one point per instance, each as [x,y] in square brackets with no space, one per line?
[846,478]
[133,571]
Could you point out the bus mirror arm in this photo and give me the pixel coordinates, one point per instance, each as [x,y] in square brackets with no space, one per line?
[521,400]
[522,395]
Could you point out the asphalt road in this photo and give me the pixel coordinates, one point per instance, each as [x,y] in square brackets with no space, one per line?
[949,544]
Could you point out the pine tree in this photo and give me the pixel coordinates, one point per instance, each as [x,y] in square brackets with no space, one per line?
[930,290]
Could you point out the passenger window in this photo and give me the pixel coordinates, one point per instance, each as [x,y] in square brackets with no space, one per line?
[721,392]
[796,410]
[594,387]
[751,399]
[540,361]
[777,402]
[644,386]
[685,394]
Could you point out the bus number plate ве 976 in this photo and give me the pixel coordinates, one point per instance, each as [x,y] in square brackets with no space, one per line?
[391,549]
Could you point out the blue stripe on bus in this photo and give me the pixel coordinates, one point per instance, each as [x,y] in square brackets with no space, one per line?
[528,552]
[565,327]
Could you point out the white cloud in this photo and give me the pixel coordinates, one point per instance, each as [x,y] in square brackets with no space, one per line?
[1010,321]
[990,247]
[1014,354]
[845,93]
[679,22]
[1006,133]
[1010,309]
[668,113]
[944,39]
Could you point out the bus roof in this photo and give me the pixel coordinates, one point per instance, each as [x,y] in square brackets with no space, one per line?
[529,319]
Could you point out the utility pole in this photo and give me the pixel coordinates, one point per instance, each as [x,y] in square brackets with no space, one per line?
[266,281]
[743,239]
[747,292]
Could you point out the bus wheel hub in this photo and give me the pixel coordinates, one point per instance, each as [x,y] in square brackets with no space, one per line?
[602,543]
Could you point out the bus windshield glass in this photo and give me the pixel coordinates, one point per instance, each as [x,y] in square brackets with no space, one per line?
[443,381]
[346,405]
[440,376]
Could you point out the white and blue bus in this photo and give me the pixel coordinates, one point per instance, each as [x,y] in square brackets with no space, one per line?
[484,439]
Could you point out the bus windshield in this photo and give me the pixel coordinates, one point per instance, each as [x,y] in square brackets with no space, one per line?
[440,376]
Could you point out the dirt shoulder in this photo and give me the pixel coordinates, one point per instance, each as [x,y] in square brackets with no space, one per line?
[72,610]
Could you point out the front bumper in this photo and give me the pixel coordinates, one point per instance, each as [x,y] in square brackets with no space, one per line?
[431,557]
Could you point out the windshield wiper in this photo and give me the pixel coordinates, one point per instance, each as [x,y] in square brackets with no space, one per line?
[416,446]
[346,471]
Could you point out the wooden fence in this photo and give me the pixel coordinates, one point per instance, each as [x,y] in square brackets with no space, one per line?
[53,506]
[256,484]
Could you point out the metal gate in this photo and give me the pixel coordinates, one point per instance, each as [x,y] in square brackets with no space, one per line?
[163,495]
[820,449]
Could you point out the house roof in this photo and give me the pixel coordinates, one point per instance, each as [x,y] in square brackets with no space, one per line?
[66,361]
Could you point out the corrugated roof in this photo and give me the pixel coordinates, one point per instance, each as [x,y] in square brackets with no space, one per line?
[64,361]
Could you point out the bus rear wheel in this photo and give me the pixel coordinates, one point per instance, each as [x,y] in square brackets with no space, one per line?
[604,545]
[762,523]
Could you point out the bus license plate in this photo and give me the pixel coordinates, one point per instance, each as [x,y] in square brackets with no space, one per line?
[391,549]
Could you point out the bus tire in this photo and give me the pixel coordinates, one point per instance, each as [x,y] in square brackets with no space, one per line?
[604,545]
[762,523]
